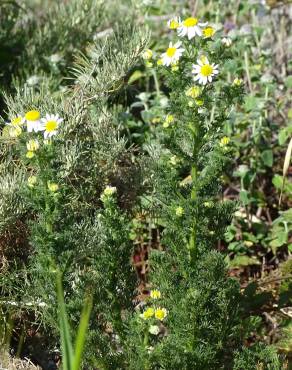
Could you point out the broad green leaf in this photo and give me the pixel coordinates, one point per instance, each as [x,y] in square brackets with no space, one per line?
[244,197]
[288,82]
[135,76]
[241,261]
[267,157]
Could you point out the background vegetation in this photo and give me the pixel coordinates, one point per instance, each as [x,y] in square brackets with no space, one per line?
[84,61]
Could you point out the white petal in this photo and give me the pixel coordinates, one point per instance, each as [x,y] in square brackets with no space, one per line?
[191,33]
[198,31]
[182,31]
[29,127]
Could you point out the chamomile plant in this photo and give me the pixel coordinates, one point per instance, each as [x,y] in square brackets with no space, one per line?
[202,325]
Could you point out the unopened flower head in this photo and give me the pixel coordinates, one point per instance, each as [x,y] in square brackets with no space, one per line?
[172,54]
[155,294]
[15,131]
[204,71]
[179,211]
[50,125]
[55,58]
[174,160]
[226,41]
[32,145]
[147,314]
[174,23]
[160,313]
[109,191]
[154,329]
[31,181]
[29,154]
[208,32]
[237,82]
[148,64]
[156,120]
[199,102]
[53,187]
[193,92]
[169,119]
[148,54]
[33,121]
[33,80]
[224,141]
[174,67]
[190,27]
[17,121]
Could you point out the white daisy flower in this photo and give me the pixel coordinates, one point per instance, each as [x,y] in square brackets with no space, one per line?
[204,71]
[174,23]
[33,120]
[172,54]
[50,125]
[191,27]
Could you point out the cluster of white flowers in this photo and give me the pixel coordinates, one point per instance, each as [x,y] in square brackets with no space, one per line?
[204,71]
[33,122]
[37,303]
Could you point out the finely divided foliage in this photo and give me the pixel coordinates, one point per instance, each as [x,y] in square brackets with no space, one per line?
[69,178]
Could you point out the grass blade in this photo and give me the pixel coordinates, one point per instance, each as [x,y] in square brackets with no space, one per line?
[66,342]
[81,335]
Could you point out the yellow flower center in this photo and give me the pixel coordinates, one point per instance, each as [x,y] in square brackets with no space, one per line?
[51,126]
[206,70]
[208,32]
[53,187]
[173,25]
[190,22]
[29,154]
[224,141]
[16,121]
[32,115]
[170,52]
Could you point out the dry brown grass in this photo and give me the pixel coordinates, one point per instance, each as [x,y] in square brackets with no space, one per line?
[9,363]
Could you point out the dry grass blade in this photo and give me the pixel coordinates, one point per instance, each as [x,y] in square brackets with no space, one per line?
[286,167]
[9,363]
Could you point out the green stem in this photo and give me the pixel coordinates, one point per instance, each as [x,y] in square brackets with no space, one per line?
[247,71]
[193,237]
[194,174]
[145,341]
[156,82]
